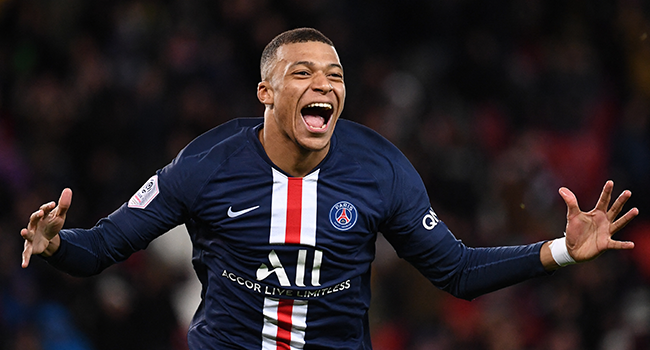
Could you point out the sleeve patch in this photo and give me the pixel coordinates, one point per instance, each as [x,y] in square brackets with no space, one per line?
[145,194]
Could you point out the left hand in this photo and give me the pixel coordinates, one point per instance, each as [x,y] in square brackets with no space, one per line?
[589,234]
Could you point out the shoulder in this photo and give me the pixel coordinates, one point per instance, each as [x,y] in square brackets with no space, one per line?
[380,159]
[204,155]
[350,131]
[369,147]
[230,133]
[186,175]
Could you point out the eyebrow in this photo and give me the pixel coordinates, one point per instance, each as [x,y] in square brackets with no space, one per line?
[309,63]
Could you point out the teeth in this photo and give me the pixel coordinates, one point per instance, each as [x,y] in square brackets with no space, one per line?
[319,105]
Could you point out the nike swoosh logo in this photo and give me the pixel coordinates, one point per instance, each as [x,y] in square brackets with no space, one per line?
[234,214]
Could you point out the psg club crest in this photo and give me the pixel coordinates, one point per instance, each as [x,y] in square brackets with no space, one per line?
[343,215]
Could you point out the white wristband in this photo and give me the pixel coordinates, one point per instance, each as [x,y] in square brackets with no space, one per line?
[560,252]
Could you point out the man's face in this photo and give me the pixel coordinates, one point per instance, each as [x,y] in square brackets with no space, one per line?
[305,93]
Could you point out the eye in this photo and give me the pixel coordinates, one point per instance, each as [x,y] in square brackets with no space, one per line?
[336,76]
[302,73]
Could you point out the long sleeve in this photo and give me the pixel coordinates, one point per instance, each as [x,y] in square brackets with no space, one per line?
[421,238]
[467,272]
[162,203]
[158,206]
[86,252]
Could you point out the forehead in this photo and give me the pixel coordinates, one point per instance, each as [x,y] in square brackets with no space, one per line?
[312,51]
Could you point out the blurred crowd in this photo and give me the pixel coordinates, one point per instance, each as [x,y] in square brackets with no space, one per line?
[496,103]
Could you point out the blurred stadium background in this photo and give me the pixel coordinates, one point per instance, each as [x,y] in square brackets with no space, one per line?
[496,103]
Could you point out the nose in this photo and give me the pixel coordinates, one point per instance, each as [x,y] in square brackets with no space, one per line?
[322,84]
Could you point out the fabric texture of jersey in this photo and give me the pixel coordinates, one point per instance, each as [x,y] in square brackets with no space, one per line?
[285,262]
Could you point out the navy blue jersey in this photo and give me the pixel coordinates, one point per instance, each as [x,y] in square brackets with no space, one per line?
[284,261]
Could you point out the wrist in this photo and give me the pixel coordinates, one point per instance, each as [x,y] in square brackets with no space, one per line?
[52,247]
[560,252]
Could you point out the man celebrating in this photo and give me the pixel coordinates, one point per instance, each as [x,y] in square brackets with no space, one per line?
[284,212]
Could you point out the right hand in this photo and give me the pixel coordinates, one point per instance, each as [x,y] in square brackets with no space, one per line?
[44,226]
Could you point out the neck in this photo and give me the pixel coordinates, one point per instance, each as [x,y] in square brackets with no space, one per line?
[286,154]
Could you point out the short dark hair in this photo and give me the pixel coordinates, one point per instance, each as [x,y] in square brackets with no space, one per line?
[298,35]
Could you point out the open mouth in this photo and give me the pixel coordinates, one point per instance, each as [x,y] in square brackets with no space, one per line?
[317,115]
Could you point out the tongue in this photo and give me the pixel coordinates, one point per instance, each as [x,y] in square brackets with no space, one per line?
[314,121]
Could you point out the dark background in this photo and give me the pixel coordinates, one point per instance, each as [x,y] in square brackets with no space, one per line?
[496,103]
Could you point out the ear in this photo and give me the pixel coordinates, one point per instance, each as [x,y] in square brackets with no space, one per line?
[265,93]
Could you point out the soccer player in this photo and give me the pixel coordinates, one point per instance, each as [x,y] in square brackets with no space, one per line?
[284,211]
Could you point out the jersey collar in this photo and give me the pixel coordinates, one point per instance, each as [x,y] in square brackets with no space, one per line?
[259,149]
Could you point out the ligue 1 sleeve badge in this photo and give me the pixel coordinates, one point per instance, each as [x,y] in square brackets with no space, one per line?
[343,215]
[145,194]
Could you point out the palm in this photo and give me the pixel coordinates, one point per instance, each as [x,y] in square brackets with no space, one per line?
[45,228]
[589,234]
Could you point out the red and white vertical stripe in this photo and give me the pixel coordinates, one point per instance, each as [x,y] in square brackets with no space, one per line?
[285,321]
[293,221]
[293,209]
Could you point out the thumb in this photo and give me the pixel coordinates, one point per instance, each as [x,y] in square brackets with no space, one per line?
[64,202]
[571,202]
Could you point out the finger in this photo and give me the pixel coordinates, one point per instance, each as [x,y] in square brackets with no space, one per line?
[618,205]
[571,202]
[619,245]
[605,196]
[623,220]
[34,218]
[27,254]
[64,202]
[25,233]
[47,206]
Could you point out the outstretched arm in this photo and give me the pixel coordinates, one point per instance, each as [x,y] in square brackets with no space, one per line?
[589,234]
[42,232]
